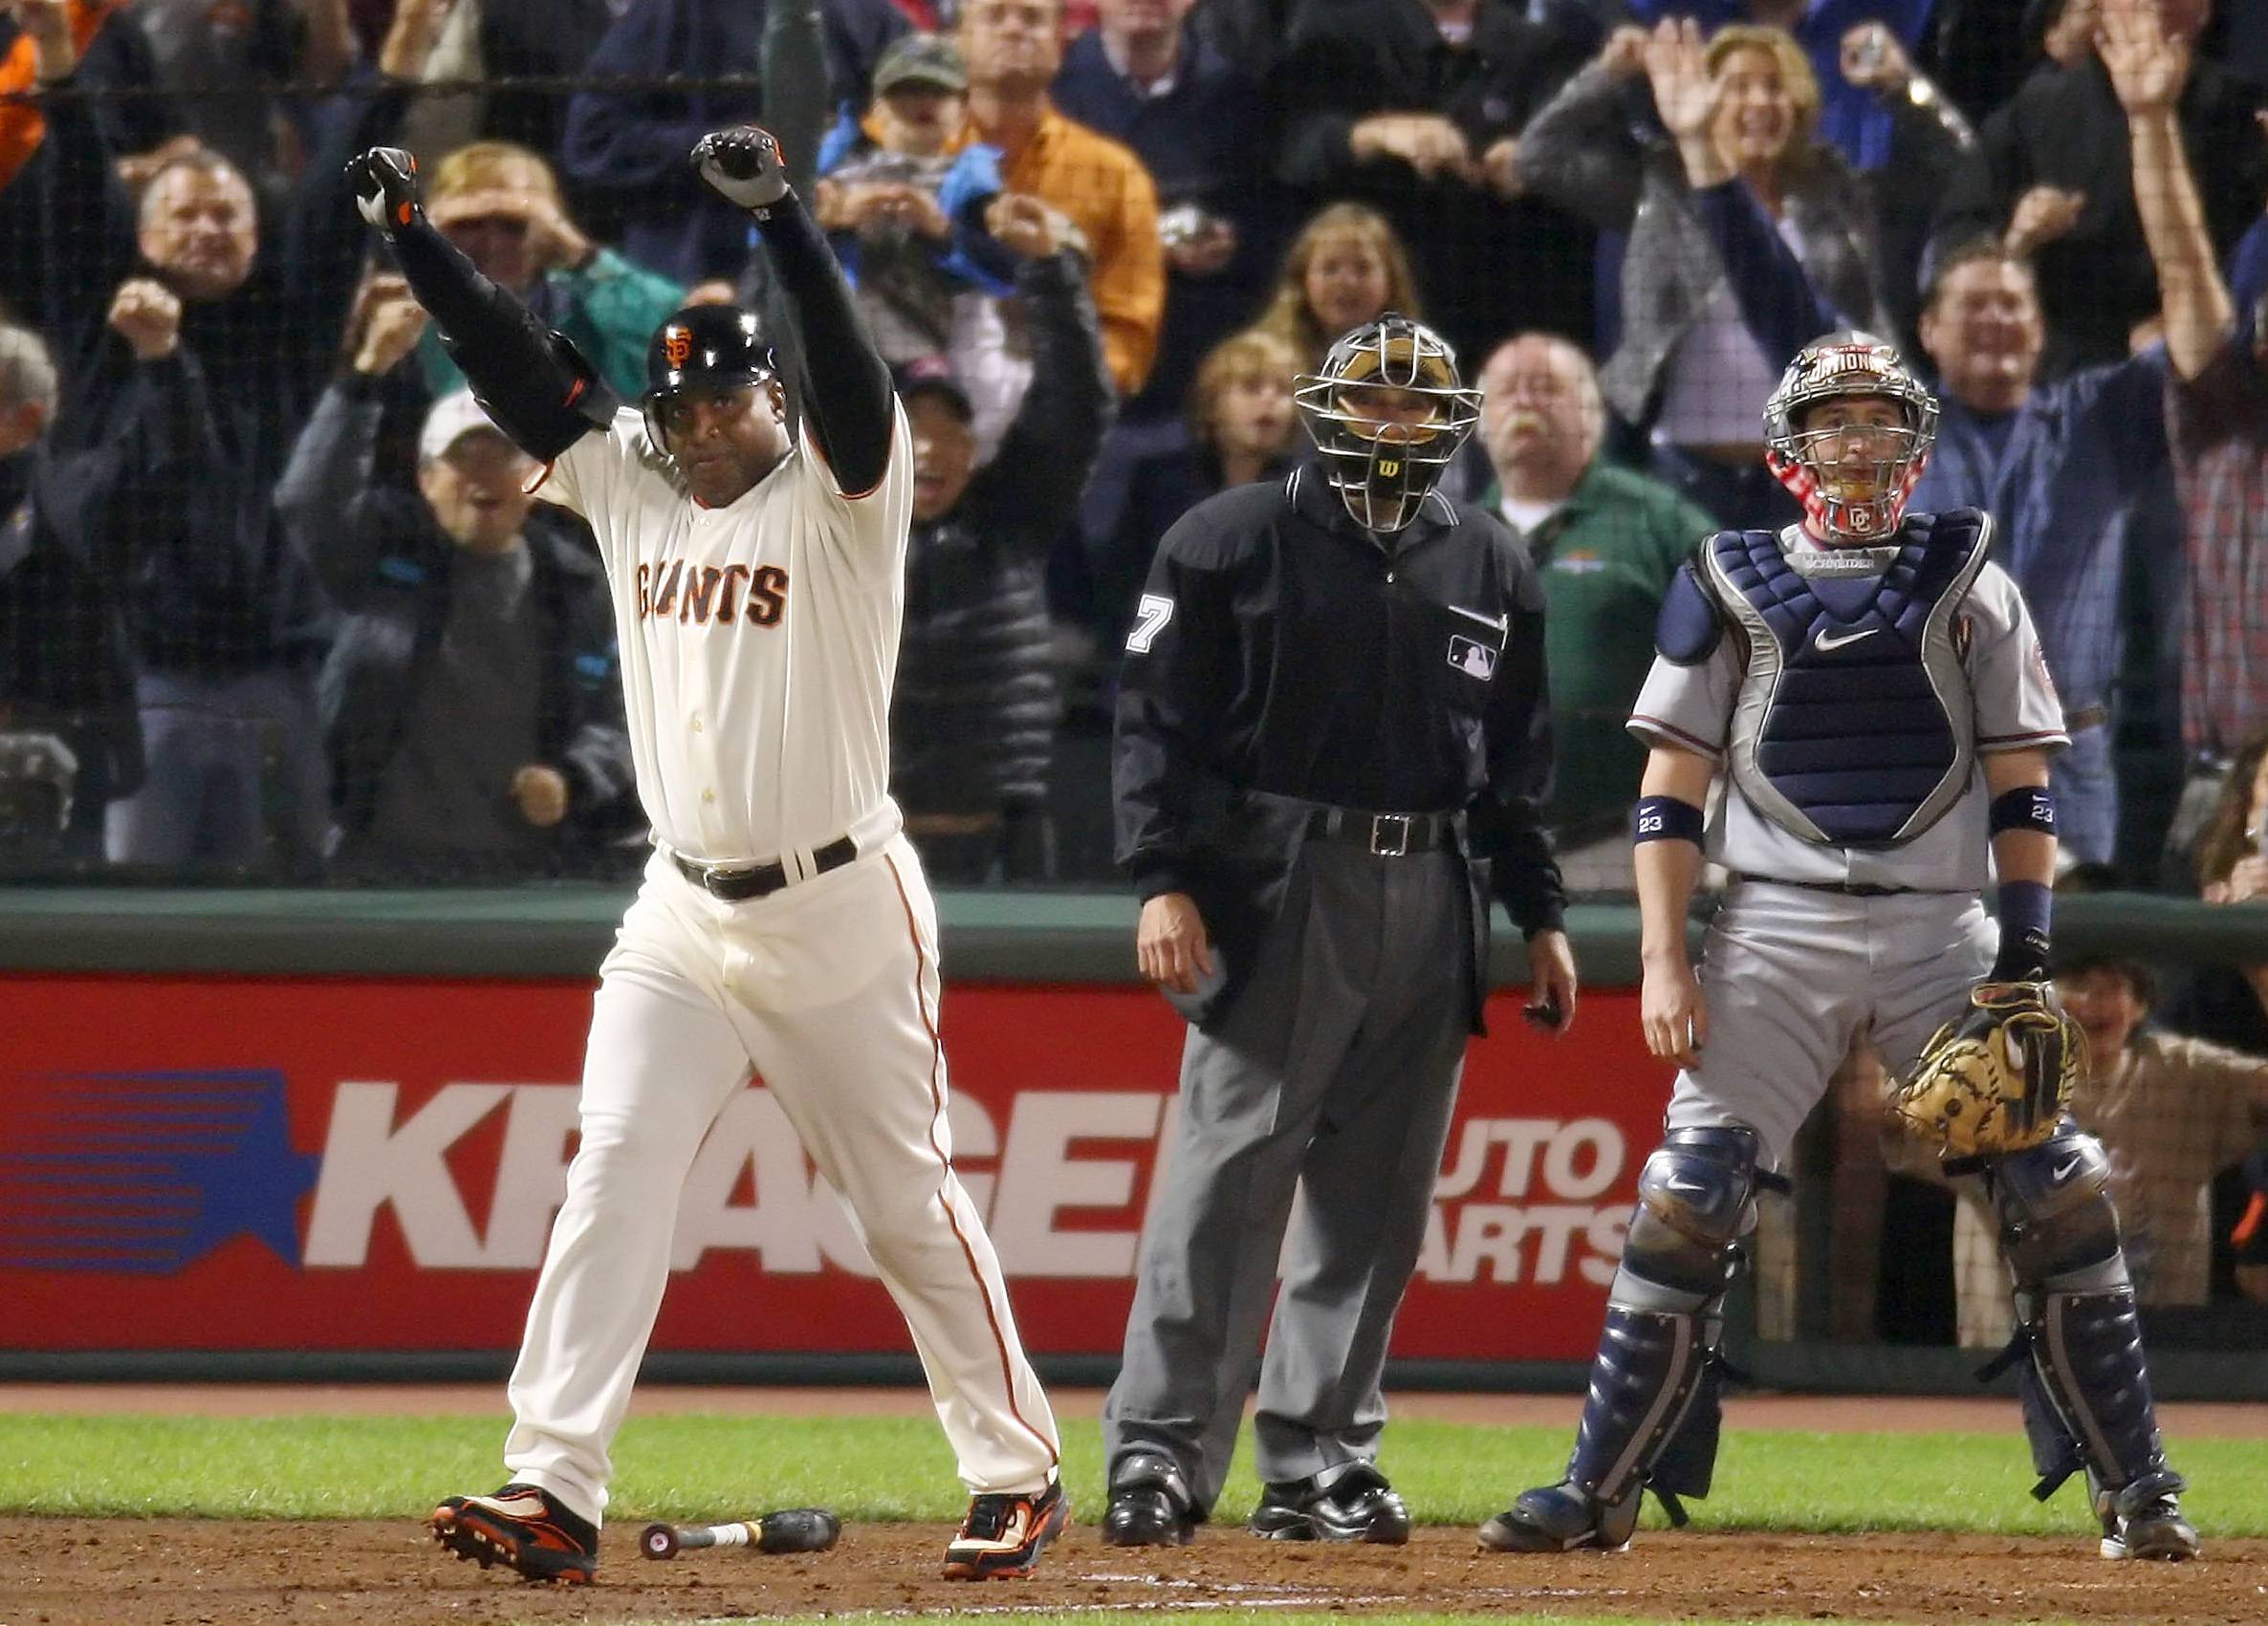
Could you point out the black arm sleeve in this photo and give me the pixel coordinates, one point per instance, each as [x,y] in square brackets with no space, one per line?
[846,386]
[1033,484]
[1505,819]
[533,382]
[1179,669]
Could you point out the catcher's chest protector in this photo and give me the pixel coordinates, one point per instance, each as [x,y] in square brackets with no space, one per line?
[1855,728]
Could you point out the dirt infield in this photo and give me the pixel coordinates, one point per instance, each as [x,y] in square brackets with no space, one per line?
[192,1573]
[174,1572]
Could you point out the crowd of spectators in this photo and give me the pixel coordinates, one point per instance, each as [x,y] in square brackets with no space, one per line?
[275,604]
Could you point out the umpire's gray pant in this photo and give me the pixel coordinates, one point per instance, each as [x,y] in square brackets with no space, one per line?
[1334,1073]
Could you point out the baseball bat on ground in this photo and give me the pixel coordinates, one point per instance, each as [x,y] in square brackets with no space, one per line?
[790,1530]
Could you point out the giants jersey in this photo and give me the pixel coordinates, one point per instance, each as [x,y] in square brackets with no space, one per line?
[758,642]
[1695,707]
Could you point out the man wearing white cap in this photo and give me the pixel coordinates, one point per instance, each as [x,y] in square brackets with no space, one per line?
[471,703]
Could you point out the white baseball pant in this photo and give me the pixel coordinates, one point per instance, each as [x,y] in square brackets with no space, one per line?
[829,991]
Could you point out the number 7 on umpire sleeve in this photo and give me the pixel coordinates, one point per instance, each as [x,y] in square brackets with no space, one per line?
[1150,616]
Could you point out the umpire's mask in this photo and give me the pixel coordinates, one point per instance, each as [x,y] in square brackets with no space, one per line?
[1388,413]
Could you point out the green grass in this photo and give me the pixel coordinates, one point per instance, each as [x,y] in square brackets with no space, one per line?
[689,1467]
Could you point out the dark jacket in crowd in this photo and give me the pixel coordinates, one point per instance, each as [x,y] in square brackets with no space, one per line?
[973,717]
[631,144]
[214,586]
[1159,491]
[1204,143]
[118,65]
[536,39]
[1486,266]
[389,565]
[1284,658]
[2065,128]
[64,668]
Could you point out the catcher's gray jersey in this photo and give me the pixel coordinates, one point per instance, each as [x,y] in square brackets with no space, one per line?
[1692,707]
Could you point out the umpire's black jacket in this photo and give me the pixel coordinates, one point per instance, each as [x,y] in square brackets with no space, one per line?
[1283,657]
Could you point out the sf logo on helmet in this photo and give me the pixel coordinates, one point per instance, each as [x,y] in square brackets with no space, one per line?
[677,343]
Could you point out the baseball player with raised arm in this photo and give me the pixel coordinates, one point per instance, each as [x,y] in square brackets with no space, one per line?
[1873,691]
[784,926]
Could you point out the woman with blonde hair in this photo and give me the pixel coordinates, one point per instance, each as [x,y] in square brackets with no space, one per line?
[500,205]
[1748,237]
[1241,428]
[1346,267]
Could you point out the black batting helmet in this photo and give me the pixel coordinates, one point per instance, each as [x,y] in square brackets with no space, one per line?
[704,347]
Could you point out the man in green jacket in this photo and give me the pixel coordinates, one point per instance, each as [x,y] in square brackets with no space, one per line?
[1605,542]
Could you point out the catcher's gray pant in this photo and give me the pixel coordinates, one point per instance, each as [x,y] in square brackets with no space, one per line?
[1335,1072]
[1792,974]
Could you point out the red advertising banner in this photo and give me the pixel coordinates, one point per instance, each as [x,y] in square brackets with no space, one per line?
[344,1165]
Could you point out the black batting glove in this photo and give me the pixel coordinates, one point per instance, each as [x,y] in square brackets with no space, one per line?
[2024,957]
[385,182]
[743,165]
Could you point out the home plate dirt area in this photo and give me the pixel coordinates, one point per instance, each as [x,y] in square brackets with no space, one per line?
[133,1572]
[60,1571]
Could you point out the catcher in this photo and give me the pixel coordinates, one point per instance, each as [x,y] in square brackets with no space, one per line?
[1873,691]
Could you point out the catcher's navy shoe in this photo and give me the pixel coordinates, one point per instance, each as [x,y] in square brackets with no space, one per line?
[1560,1518]
[523,1528]
[1350,1503]
[1005,1533]
[2144,1520]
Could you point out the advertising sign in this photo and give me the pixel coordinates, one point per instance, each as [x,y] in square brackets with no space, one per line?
[242,1164]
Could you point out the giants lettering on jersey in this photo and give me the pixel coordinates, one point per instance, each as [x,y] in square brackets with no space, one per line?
[695,594]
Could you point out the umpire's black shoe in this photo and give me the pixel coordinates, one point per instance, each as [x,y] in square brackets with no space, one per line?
[2144,1520]
[1352,1503]
[1560,1517]
[525,1529]
[1149,1504]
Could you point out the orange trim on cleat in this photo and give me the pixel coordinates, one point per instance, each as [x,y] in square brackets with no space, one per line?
[521,1528]
[1005,1533]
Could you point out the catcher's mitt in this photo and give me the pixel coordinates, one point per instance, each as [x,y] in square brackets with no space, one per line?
[1995,1080]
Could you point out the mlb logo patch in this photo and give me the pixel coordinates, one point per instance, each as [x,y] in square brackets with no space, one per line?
[1474,660]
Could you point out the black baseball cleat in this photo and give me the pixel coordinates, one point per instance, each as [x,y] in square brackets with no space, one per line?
[522,1528]
[2144,1520]
[1149,1504]
[1005,1533]
[1560,1518]
[1349,1503]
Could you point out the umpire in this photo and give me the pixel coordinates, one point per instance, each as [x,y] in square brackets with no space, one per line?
[1332,726]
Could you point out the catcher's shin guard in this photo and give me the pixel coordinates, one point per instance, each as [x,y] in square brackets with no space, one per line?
[2085,1385]
[1651,1418]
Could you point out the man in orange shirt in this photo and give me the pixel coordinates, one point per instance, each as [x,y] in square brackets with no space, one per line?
[1013,49]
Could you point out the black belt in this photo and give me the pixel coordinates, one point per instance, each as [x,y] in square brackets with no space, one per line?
[2085,718]
[1389,835]
[760,880]
[1848,888]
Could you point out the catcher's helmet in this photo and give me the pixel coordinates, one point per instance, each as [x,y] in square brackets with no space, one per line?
[1383,467]
[703,347]
[1852,365]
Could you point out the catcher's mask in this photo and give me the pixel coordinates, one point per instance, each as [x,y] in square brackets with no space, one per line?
[704,348]
[1849,495]
[1388,413]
